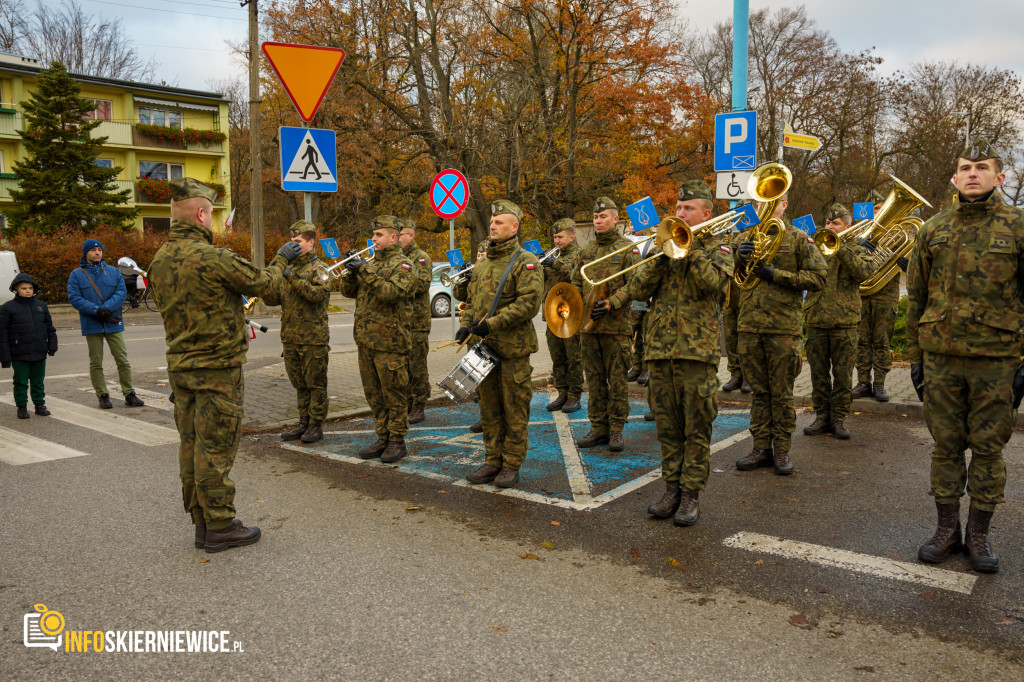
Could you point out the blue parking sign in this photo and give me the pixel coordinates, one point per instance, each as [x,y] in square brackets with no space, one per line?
[455,258]
[330,247]
[534,247]
[736,141]
[863,210]
[805,223]
[642,214]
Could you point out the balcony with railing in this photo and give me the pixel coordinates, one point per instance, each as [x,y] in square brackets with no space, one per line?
[9,183]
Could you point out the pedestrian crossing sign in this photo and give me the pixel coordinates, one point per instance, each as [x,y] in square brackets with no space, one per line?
[309,162]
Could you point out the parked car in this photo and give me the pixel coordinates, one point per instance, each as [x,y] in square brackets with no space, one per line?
[440,295]
[8,271]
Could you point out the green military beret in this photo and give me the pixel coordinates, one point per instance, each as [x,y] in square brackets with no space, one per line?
[836,211]
[980,149]
[505,206]
[564,224]
[407,223]
[695,189]
[386,221]
[604,204]
[190,188]
[876,197]
[300,226]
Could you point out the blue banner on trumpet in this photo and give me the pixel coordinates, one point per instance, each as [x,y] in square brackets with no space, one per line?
[534,247]
[455,258]
[330,247]
[642,214]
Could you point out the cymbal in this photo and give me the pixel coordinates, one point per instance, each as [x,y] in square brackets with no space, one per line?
[563,310]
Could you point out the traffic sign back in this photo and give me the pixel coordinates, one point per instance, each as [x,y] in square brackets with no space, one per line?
[305,71]
[449,193]
[736,141]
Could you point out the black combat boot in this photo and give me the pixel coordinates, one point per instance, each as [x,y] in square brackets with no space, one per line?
[235,535]
[947,538]
[688,510]
[669,502]
[485,474]
[839,428]
[23,412]
[478,427]
[394,452]
[615,442]
[507,478]
[373,450]
[42,411]
[633,375]
[745,388]
[416,415]
[878,390]
[783,467]
[756,458]
[558,403]
[313,433]
[105,403]
[132,400]
[734,382]
[648,416]
[644,377]
[862,390]
[980,552]
[819,426]
[201,533]
[592,439]
[296,431]
[571,405]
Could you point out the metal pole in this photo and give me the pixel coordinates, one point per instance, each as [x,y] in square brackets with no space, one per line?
[307,197]
[255,153]
[967,142]
[740,29]
[451,245]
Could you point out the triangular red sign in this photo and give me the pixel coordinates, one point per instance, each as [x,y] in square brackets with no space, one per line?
[306,71]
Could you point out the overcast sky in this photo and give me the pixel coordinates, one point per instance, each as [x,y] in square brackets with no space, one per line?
[190,51]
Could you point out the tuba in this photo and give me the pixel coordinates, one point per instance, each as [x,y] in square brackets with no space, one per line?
[893,233]
[768,184]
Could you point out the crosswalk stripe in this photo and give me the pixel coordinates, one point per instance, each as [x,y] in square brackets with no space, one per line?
[106,422]
[20,448]
[151,398]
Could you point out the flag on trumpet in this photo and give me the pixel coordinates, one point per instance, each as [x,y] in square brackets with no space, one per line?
[642,214]
[534,247]
[806,224]
[455,258]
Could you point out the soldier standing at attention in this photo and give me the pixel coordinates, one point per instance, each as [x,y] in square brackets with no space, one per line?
[303,298]
[199,288]
[383,289]
[832,316]
[770,328]
[683,354]
[566,363]
[504,321]
[418,321]
[606,348]
[730,318]
[965,325]
[874,337]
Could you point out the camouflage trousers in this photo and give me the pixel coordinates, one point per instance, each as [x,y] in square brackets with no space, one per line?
[730,318]
[505,412]
[605,358]
[208,413]
[771,363]
[566,364]
[968,403]
[683,398]
[831,354]
[874,338]
[419,376]
[636,358]
[307,370]
[385,378]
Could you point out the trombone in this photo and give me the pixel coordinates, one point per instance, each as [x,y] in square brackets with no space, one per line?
[324,272]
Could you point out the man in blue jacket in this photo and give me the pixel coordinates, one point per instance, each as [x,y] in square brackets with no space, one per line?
[97,292]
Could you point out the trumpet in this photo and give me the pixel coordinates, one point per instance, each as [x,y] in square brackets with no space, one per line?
[249,304]
[448,279]
[768,184]
[326,272]
[552,254]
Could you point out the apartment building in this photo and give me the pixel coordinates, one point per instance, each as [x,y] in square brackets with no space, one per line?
[155,133]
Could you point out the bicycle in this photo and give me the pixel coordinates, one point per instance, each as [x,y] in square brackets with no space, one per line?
[140,296]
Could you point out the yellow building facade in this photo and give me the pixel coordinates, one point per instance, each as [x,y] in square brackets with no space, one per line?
[148,157]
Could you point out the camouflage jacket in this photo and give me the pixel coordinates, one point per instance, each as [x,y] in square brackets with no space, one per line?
[561,270]
[965,282]
[619,321]
[382,289]
[419,307]
[776,308]
[838,303]
[512,331]
[303,298]
[198,288]
[682,323]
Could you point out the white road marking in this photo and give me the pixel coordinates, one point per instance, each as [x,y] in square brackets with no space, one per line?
[151,398]
[106,422]
[20,448]
[54,376]
[854,561]
[579,484]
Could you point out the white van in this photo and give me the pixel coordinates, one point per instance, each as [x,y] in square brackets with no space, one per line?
[8,270]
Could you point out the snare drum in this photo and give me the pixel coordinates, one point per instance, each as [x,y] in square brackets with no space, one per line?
[462,382]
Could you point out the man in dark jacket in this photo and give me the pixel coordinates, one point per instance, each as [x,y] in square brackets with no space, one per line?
[27,336]
[96,290]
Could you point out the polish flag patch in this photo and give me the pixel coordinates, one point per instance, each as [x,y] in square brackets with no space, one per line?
[423,260]
[406,266]
[810,241]
[529,266]
[636,251]
[725,248]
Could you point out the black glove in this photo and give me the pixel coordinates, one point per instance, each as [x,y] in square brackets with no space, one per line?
[7,365]
[480,329]
[746,250]
[103,314]
[601,308]
[903,263]
[290,251]
[462,334]
[350,253]
[1018,386]
[287,273]
[51,353]
[917,378]
[466,273]
[547,263]
[354,264]
[765,272]
[867,244]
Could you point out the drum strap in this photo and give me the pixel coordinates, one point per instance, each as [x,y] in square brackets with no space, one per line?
[504,279]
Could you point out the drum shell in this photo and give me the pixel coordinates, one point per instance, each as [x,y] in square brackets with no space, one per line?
[462,382]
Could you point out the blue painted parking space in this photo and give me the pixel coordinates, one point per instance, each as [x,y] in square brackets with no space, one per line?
[555,471]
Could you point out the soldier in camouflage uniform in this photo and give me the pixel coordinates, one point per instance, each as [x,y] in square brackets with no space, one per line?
[606,347]
[418,322]
[770,326]
[832,315]
[965,326]
[683,355]
[383,290]
[198,289]
[730,318]
[566,363]
[874,336]
[303,298]
[506,392]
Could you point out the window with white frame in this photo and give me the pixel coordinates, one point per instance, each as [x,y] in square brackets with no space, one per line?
[160,170]
[104,163]
[2,161]
[158,116]
[103,110]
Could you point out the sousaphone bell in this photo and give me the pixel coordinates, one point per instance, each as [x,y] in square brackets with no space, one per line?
[563,310]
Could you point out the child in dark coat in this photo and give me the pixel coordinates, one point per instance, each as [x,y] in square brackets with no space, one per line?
[27,336]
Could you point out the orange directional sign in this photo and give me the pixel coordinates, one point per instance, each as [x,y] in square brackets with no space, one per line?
[306,71]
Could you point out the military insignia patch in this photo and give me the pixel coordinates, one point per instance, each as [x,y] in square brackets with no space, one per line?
[810,241]
[406,266]
[1000,244]
[725,248]
[529,266]
[423,260]
[636,251]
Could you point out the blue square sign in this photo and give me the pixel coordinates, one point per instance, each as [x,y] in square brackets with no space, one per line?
[309,162]
[736,141]
[642,214]
[330,247]
[863,210]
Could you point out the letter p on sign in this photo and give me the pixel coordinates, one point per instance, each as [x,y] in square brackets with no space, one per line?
[735,132]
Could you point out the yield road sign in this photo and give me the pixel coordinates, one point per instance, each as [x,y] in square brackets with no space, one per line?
[309,161]
[800,141]
[732,185]
[736,141]
[449,193]
[305,71]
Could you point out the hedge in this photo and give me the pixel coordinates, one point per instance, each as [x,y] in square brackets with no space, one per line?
[51,259]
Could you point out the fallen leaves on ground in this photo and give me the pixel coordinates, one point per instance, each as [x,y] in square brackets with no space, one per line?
[555,523]
[411,508]
[499,628]
[203,561]
[546,545]
[528,556]
[869,668]
[703,600]
[1006,620]
[803,622]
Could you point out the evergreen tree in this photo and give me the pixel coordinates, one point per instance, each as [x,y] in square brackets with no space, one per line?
[60,183]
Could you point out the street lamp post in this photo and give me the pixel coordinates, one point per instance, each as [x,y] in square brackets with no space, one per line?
[967,115]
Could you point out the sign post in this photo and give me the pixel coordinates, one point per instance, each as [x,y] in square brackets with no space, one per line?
[449,196]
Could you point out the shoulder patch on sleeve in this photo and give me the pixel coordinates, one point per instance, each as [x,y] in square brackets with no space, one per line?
[529,266]
[423,260]
[725,248]
[636,251]
[406,266]
[810,241]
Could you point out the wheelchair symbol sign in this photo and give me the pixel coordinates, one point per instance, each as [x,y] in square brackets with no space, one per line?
[732,186]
